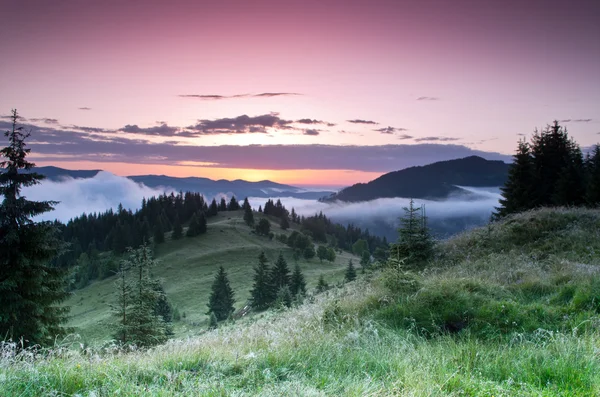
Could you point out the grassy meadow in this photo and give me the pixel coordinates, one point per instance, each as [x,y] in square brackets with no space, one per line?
[187,268]
[511,309]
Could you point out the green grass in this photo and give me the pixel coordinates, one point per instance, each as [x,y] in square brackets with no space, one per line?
[384,334]
[187,268]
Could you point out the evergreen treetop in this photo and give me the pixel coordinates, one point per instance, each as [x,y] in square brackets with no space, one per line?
[221,300]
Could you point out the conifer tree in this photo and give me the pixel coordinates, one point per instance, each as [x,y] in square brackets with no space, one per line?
[221,298]
[322,253]
[223,205]
[213,323]
[264,227]
[213,209]
[517,193]
[202,226]
[246,204]
[592,194]
[322,285]
[350,274]
[164,309]
[415,244]
[31,288]
[262,293]
[298,283]
[233,204]
[284,223]
[193,227]
[280,274]
[331,254]
[365,259]
[248,215]
[146,328]
[159,235]
[122,309]
[177,229]
[284,297]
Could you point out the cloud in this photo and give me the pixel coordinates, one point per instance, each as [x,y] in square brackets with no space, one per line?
[405,136]
[240,125]
[84,108]
[312,121]
[575,120]
[311,132]
[97,194]
[45,120]
[160,130]
[86,129]
[359,121]
[390,130]
[428,98]
[436,139]
[474,204]
[51,144]
[214,97]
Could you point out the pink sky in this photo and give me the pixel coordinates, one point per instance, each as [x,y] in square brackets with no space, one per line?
[466,72]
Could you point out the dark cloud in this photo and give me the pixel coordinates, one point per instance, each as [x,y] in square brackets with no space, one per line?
[359,121]
[61,145]
[428,98]
[405,136]
[45,120]
[575,120]
[390,130]
[159,130]
[84,108]
[313,121]
[213,97]
[240,125]
[436,139]
[85,129]
[311,132]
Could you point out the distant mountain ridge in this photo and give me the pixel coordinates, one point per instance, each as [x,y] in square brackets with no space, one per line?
[208,187]
[433,181]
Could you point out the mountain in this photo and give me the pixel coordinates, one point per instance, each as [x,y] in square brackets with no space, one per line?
[208,187]
[434,181]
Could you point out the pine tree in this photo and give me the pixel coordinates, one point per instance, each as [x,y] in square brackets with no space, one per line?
[415,245]
[248,216]
[517,193]
[213,209]
[146,328]
[164,309]
[159,235]
[233,204]
[592,194]
[298,283]
[124,301]
[223,205]
[221,298]
[177,229]
[284,223]
[280,274]
[264,227]
[31,289]
[262,293]
[350,274]
[322,285]
[193,227]
[246,204]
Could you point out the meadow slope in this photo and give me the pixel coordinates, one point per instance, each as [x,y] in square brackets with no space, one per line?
[506,310]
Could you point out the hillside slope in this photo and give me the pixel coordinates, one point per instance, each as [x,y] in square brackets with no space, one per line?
[187,268]
[433,181]
[521,297]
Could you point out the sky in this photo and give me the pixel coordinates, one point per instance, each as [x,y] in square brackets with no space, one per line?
[328,92]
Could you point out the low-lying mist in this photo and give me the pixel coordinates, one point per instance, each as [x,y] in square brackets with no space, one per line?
[459,212]
[97,194]
[471,208]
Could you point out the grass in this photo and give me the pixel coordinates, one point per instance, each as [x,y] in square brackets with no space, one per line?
[371,337]
[187,268]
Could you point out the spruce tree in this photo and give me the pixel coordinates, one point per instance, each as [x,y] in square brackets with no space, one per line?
[280,274]
[159,235]
[284,223]
[284,297]
[202,226]
[146,328]
[223,205]
[233,205]
[177,229]
[297,283]
[262,293]
[31,288]
[221,298]
[350,274]
[122,309]
[592,194]
[415,245]
[246,204]
[248,216]
[322,285]
[517,193]
[164,309]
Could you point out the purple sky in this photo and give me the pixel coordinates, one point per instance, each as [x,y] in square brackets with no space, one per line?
[152,86]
